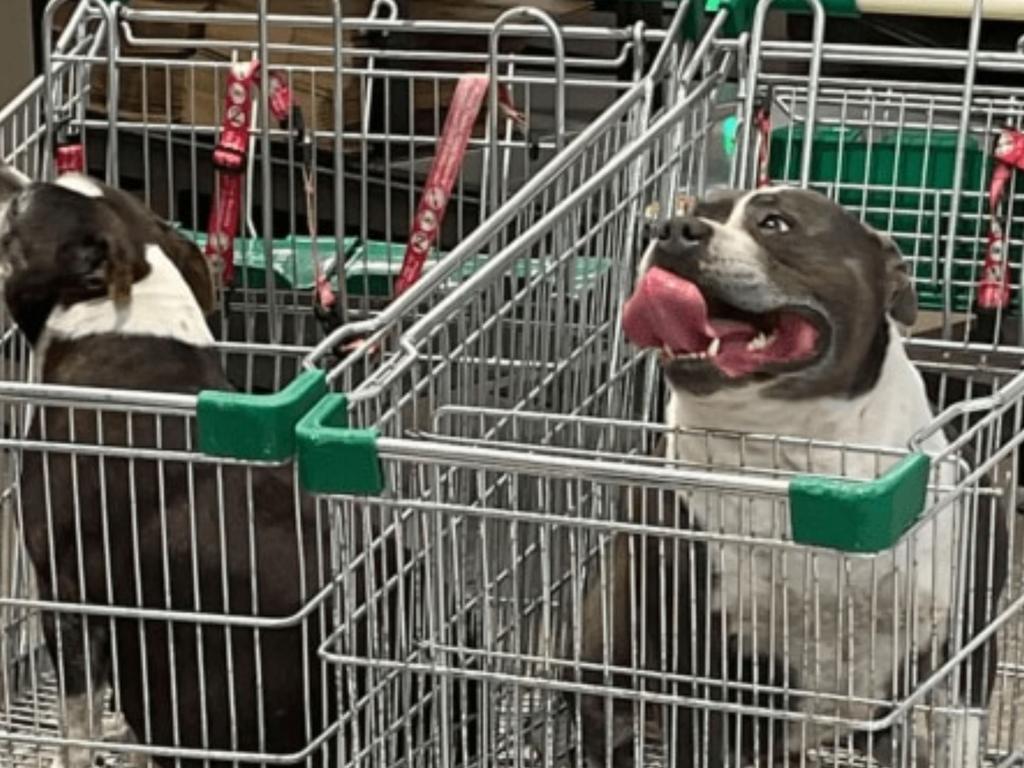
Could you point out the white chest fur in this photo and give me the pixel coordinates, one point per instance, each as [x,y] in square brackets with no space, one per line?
[843,623]
[161,305]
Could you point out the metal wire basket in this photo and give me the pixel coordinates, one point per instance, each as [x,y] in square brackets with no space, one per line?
[507,436]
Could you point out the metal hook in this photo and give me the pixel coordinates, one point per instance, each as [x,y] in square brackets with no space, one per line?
[818,43]
[558,43]
[377,10]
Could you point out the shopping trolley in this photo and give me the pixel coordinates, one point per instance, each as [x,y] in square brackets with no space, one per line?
[82,113]
[511,437]
[152,110]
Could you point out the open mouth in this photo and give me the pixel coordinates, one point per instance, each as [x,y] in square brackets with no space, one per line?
[672,314]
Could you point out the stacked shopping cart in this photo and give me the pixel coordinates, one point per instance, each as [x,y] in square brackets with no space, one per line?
[480,451]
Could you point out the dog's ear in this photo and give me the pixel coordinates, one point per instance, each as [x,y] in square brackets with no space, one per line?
[120,273]
[189,260]
[100,263]
[900,296]
[192,264]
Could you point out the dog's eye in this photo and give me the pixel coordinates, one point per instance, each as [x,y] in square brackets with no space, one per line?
[774,223]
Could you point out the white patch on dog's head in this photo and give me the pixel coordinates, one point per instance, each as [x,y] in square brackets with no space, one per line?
[736,254]
[83,185]
[162,305]
[737,251]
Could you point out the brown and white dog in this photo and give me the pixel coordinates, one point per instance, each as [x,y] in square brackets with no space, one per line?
[778,313]
[110,296]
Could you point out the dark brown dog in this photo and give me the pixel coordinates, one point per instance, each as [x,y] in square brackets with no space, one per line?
[109,296]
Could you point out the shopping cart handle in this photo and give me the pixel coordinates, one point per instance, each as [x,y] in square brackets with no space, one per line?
[333,457]
[256,427]
[741,12]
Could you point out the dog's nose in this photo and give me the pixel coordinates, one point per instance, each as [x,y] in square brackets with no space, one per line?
[684,230]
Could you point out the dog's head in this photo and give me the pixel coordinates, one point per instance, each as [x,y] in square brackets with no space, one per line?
[61,244]
[780,289]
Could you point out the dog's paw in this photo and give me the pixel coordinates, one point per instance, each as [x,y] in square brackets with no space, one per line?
[116,730]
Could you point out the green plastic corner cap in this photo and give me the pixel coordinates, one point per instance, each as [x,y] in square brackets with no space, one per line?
[861,517]
[257,427]
[741,12]
[334,458]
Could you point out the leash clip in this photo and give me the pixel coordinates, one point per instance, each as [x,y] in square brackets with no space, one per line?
[68,147]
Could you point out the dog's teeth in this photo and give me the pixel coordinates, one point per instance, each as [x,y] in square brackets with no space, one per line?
[713,347]
[667,351]
[759,342]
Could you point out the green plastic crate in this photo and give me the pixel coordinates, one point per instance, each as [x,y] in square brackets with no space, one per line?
[371,267]
[868,168]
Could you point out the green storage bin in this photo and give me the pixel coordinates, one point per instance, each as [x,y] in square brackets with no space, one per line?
[371,267]
[872,167]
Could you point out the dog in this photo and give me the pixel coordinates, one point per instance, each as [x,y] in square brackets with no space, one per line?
[110,296]
[776,312]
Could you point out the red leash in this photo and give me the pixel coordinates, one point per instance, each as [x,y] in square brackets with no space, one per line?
[994,286]
[763,124]
[230,157]
[68,150]
[444,171]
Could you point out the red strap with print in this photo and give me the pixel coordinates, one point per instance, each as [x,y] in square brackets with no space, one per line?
[231,154]
[994,287]
[444,171]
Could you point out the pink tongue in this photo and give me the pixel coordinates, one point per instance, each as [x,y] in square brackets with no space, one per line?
[667,311]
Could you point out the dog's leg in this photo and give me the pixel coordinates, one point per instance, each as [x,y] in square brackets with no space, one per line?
[119,732]
[964,745]
[81,653]
[82,721]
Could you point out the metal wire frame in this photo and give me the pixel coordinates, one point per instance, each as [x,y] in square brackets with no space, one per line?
[510,521]
[371,169]
[907,144]
[132,445]
[34,700]
[537,326]
[537,330]
[592,149]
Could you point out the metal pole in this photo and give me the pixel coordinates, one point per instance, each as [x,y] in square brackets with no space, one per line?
[266,170]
